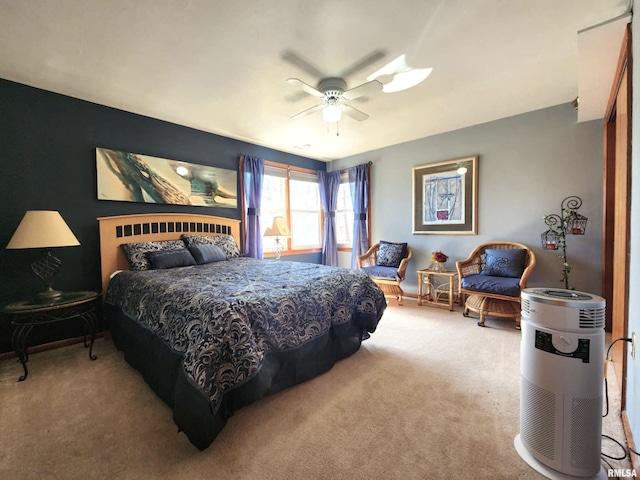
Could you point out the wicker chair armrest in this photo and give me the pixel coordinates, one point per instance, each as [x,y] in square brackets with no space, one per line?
[527,271]
[402,268]
[368,258]
[468,267]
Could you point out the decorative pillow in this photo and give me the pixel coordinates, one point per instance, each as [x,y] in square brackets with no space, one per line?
[390,254]
[504,262]
[225,242]
[207,254]
[136,252]
[170,259]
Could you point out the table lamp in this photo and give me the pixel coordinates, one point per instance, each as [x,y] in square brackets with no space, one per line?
[44,229]
[278,229]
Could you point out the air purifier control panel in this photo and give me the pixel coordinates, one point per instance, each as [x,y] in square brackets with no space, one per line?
[563,345]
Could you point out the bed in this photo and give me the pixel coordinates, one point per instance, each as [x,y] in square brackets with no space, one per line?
[212,332]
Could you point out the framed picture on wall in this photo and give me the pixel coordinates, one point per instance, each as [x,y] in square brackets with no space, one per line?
[445,197]
[131,177]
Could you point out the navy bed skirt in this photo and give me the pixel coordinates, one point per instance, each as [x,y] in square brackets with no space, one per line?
[193,412]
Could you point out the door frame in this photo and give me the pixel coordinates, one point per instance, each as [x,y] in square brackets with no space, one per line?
[612,273]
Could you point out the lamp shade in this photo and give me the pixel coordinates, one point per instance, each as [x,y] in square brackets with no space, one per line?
[42,229]
[278,228]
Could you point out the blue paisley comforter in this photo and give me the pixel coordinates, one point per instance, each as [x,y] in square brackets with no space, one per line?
[224,317]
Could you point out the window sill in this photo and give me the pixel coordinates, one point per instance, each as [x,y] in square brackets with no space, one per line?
[286,253]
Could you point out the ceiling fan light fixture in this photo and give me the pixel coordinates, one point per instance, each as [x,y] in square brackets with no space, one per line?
[331,113]
[405,80]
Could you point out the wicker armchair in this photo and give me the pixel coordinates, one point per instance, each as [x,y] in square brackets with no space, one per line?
[489,303]
[389,282]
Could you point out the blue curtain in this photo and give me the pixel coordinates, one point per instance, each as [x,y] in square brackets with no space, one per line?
[359,186]
[329,184]
[252,176]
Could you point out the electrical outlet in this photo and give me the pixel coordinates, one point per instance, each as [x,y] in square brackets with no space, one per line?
[633,345]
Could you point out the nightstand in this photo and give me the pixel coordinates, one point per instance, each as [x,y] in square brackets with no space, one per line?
[441,288]
[26,314]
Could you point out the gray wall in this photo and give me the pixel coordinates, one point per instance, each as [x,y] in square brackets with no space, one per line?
[527,165]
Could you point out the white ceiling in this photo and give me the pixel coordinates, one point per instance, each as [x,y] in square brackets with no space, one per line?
[216,65]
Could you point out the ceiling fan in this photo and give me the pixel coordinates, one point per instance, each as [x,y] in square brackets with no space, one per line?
[333,91]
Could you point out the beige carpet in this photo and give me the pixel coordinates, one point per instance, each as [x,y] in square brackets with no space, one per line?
[429,395]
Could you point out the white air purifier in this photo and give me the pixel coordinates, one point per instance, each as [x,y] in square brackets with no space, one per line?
[561,382]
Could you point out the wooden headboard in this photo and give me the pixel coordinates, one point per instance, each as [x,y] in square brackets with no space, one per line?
[151,227]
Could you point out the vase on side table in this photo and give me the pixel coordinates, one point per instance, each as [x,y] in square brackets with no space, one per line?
[437,267]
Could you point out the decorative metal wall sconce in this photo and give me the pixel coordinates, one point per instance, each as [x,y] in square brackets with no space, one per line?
[569,222]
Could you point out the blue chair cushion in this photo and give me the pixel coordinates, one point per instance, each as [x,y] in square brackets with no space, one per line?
[503,262]
[383,273]
[491,284]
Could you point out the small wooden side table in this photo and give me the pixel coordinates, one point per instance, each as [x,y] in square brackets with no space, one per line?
[438,292]
[27,314]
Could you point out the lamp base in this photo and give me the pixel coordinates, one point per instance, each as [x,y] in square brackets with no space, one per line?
[278,247]
[48,296]
[46,267]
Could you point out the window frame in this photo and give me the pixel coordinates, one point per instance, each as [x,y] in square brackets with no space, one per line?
[344,173]
[288,249]
[344,178]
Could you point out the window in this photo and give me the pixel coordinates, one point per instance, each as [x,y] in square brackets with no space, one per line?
[294,193]
[274,202]
[344,214]
[305,210]
[295,196]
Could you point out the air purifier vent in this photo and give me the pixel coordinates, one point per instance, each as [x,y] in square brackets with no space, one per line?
[525,306]
[592,317]
[537,421]
[585,433]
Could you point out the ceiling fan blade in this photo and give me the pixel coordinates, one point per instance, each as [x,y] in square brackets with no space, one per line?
[299,62]
[308,111]
[306,87]
[296,96]
[363,63]
[362,90]
[353,112]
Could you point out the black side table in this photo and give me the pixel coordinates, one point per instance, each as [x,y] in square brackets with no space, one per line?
[27,314]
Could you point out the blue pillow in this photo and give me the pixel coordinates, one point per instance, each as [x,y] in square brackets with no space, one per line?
[504,262]
[390,254]
[170,259]
[207,253]
[137,252]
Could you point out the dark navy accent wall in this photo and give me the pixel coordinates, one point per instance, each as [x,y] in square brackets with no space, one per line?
[47,162]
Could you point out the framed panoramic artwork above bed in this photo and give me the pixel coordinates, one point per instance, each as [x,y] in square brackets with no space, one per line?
[212,331]
[132,177]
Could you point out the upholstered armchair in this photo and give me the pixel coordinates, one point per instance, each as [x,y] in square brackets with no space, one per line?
[493,276]
[386,264]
